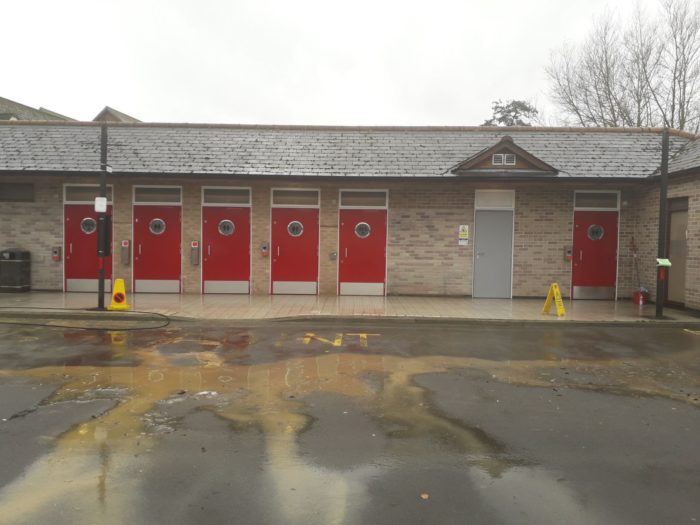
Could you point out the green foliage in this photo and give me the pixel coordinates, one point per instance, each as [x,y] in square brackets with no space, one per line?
[512,113]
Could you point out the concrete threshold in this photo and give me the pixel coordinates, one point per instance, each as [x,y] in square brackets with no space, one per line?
[470,321]
[78,314]
[37,314]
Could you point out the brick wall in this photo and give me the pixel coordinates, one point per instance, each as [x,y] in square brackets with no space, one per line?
[260,219]
[690,188]
[423,255]
[543,226]
[328,267]
[191,231]
[122,229]
[423,219]
[627,282]
[36,227]
[646,233]
[645,202]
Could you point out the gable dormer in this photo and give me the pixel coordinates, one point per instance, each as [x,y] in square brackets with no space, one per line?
[504,157]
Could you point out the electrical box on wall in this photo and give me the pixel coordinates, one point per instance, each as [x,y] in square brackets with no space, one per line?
[568,253]
[125,252]
[194,253]
[56,253]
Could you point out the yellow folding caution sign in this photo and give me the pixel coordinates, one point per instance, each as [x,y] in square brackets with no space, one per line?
[554,294]
[118,296]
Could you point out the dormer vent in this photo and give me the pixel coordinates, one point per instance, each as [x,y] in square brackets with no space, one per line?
[503,159]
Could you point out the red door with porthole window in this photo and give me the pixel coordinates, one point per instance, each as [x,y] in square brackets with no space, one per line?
[294,250]
[594,261]
[157,257]
[225,250]
[81,263]
[362,257]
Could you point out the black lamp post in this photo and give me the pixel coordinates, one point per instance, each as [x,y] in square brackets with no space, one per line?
[661,271]
[104,240]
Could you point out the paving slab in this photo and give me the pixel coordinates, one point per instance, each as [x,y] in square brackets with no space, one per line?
[151,307]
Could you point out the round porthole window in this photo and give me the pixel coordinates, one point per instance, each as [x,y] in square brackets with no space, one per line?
[156,226]
[226,227]
[295,228]
[595,232]
[362,230]
[88,225]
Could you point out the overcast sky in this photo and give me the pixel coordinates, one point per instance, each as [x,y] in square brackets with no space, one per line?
[359,62]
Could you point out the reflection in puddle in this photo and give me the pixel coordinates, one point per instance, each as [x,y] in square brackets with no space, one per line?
[93,474]
[539,495]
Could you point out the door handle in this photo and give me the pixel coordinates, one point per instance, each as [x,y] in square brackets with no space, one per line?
[580,255]
[139,248]
[209,250]
[346,253]
[70,248]
[278,251]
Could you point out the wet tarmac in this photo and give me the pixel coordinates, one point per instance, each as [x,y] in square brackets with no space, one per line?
[356,423]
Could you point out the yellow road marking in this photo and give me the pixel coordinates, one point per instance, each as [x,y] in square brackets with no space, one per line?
[338,341]
[363,338]
[310,336]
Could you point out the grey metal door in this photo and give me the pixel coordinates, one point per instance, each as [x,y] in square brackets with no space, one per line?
[678,253]
[493,253]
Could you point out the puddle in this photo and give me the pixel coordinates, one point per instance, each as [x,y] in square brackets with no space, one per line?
[158,378]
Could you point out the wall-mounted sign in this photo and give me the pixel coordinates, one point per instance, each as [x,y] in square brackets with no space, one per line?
[100,204]
[463,239]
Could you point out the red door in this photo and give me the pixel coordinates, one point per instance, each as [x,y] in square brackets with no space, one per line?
[594,272]
[80,249]
[157,233]
[294,250]
[225,250]
[362,258]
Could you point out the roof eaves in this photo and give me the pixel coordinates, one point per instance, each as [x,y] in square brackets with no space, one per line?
[292,127]
[511,172]
[57,115]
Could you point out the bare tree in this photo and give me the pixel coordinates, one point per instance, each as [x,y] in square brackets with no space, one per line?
[680,62]
[643,59]
[646,73]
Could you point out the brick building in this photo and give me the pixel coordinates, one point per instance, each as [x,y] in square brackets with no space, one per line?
[488,212]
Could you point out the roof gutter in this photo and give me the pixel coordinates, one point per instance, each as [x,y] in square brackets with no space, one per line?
[326,178]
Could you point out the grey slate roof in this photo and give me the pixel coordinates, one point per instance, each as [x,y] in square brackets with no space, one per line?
[10,108]
[687,158]
[321,151]
[112,115]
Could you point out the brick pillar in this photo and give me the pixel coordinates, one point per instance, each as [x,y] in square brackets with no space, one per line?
[191,231]
[328,243]
[122,218]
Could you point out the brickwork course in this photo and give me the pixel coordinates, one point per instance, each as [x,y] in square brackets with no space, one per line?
[427,199]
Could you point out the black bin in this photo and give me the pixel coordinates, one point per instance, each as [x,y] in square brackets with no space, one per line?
[15,273]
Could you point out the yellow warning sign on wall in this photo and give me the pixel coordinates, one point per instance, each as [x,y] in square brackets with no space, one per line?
[463,232]
[554,295]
